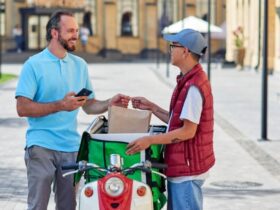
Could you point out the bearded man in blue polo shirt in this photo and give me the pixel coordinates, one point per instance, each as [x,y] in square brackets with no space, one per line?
[45,95]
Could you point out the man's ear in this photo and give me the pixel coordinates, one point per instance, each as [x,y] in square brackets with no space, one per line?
[185,53]
[54,33]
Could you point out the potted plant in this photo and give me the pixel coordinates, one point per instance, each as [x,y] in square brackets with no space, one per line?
[239,52]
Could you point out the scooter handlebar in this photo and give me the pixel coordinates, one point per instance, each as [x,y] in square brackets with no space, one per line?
[73,166]
[158,165]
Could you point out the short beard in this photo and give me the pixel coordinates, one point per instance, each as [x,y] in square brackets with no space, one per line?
[65,45]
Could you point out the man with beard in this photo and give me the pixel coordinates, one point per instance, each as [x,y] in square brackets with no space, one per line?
[45,95]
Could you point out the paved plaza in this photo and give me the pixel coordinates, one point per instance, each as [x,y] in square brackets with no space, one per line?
[247,171]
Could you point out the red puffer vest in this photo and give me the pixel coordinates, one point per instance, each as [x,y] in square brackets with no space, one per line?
[193,156]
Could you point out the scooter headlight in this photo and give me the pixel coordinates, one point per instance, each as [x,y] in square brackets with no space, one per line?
[114,186]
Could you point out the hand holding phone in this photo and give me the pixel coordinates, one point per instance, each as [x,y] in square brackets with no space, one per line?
[83,92]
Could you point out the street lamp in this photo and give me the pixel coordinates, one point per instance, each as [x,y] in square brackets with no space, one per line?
[264,75]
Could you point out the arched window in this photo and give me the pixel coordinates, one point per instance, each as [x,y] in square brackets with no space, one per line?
[126,27]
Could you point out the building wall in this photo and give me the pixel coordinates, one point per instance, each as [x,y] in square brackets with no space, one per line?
[254,40]
[271,35]
[56,3]
[110,25]
[151,25]
[220,12]
[246,13]
[277,34]
[107,15]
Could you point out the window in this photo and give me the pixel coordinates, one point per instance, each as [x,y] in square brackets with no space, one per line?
[127,17]
[168,12]
[90,16]
[126,24]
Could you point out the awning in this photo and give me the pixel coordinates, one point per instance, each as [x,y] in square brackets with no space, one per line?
[191,22]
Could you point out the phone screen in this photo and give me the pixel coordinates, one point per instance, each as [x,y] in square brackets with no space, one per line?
[84,92]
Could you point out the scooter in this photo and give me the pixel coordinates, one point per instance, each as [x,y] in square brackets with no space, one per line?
[115,191]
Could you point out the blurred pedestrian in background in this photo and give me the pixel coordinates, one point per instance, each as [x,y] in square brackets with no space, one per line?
[17,34]
[84,33]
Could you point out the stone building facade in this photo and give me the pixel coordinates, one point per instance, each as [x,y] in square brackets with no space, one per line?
[116,26]
[249,15]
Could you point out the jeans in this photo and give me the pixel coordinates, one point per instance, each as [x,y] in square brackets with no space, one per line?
[186,195]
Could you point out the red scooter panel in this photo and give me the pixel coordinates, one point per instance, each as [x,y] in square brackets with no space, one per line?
[115,192]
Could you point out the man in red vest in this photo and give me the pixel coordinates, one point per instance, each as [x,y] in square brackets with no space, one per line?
[189,150]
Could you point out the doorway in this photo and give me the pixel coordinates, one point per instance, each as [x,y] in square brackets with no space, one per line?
[37,32]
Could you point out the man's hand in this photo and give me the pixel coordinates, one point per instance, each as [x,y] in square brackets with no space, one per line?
[142,103]
[145,104]
[138,145]
[70,102]
[119,100]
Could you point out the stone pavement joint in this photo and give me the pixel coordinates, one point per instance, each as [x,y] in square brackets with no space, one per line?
[263,158]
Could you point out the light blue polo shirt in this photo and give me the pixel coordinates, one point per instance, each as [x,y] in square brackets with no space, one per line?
[44,79]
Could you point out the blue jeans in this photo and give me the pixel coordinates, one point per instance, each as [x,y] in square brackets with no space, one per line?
[185,196]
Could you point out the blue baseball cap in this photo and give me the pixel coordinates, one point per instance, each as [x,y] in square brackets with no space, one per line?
[189,38]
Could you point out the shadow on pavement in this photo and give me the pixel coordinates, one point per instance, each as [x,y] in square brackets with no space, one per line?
[13,184]
[238,193]
[13,122]
[12,89]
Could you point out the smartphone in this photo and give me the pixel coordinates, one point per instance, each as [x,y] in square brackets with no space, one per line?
[84,92]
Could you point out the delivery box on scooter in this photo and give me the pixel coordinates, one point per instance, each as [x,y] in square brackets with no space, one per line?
[97,145]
